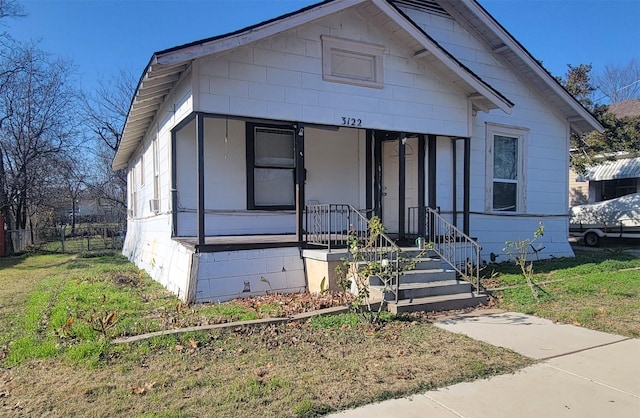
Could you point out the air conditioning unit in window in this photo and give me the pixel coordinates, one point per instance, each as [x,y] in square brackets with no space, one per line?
[154,205]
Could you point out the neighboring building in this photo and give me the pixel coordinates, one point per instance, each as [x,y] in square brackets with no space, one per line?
[611,179]
[388,106]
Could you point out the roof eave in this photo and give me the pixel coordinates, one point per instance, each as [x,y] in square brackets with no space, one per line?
[580,119]
[162,72]
[483,96]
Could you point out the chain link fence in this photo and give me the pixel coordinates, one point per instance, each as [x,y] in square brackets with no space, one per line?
[65,239]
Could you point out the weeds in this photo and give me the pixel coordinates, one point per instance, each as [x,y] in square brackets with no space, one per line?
[367,262]
[518,251]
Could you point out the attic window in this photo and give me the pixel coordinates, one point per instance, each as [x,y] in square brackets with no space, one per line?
[352,62]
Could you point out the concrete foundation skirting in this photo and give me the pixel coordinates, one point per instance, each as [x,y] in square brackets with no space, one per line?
[320,267]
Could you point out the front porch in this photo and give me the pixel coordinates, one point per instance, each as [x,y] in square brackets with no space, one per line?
[240,242]
[227,267]
[235,177]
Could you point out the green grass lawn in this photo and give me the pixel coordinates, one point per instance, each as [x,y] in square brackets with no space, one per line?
[59,314]
[598,289]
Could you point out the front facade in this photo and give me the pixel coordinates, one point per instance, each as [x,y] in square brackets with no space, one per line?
[386,106]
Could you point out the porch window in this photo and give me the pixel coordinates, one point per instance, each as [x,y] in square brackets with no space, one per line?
[505,169]
[271,167]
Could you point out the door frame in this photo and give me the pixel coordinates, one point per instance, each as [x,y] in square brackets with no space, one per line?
[378,137]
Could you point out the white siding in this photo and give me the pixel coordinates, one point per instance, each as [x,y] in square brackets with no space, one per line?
[148,241]
[546,155]
[148,244]
[281,78]
[332,161]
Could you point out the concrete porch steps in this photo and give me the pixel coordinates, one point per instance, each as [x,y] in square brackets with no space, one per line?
[437,303]
[430,286]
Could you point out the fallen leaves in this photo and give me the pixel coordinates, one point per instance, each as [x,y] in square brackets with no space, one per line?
[294,303]
[142,389]
[193,345]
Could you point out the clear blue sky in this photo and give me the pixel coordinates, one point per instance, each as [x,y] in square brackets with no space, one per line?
[102,36]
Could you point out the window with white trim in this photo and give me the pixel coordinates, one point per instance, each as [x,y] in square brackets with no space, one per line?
[133,194]
[270,167]
[506,150]
[156,170]
[141,163]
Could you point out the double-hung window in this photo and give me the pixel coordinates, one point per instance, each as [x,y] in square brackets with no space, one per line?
[270,167]
[506,148]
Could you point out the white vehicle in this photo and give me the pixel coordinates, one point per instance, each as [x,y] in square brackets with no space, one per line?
[615,218]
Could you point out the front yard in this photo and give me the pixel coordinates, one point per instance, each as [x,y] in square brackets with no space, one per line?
[598,289]
[60,313]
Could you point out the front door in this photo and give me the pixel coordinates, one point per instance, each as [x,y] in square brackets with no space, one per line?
[391,204]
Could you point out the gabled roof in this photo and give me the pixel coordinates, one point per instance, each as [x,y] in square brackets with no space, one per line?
[167,67]
[477,20]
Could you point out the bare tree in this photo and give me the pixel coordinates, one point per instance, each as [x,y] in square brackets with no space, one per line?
[106,112]
[620,83]
[8,68]
[620,134]
[38,108]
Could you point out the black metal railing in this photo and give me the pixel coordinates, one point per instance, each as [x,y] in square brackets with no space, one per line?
[453,246]
[339,226]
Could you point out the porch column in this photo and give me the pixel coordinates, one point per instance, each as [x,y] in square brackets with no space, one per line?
[422,215]
[174,182]
[300,179]
[402,181]
[467,184]
[200,176]
[377,175]
[369,198]
[454,180]
[431,150]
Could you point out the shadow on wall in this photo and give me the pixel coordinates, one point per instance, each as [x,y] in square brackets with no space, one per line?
[131,246]
[577,197]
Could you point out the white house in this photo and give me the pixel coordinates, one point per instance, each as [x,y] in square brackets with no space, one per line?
[236,145]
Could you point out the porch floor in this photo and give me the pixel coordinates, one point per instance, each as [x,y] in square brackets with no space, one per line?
[240,242]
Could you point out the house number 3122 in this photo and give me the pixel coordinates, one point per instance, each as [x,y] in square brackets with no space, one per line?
[351,121]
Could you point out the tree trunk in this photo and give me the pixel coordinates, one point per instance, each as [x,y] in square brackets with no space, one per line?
[73,215]
[5,209]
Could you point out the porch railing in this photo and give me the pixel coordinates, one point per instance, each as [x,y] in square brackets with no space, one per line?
[453,246]
[335,226]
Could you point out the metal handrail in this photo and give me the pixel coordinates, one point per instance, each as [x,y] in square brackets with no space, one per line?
[455,247]
[338,225]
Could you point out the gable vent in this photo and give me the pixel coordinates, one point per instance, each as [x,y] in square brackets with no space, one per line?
[429,6]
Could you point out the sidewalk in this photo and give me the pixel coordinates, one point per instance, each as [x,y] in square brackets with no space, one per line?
[582,373]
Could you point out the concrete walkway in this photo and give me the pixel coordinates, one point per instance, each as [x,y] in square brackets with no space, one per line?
[582,373]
